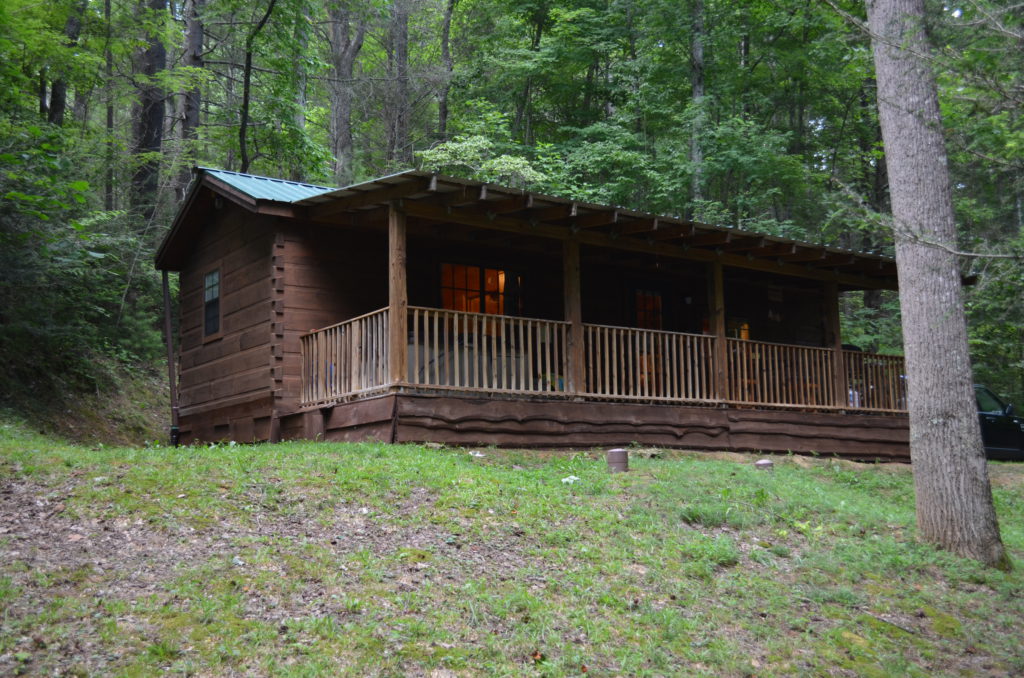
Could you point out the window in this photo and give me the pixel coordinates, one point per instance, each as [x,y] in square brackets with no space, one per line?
[737,328]
[211,303]
[478,290]
[987,402]
[648,310]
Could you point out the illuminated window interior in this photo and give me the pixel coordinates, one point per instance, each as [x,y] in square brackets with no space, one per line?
[473,289]
[648,310]
[738,328]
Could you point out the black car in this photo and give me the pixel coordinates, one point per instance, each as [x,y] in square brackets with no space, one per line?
[1001,431]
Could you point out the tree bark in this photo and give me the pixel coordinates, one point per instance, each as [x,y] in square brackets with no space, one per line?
[59,87]
[347,32]
[108,70]
[953,495]
[149,119]
[243,122]
[522,124]
[697,86]
[449,68]
[192,98]
[400,113]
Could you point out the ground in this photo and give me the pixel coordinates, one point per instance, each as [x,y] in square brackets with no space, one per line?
[314,559]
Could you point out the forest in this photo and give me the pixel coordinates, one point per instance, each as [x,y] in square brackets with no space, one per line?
[758,114]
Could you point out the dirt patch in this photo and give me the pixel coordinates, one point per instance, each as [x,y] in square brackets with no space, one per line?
[49,555]
[1008,475]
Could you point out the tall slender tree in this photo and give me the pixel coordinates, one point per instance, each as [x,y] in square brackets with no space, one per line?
[150,109]
[953,495]
[347,31]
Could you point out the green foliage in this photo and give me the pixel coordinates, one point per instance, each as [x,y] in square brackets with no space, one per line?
[583,99]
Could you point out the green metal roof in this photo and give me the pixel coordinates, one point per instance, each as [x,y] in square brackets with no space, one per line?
[266,188]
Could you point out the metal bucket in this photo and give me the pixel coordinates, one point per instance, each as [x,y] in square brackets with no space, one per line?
[618,460]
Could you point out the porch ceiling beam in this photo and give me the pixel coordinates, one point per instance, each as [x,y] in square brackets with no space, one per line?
[597,239]
[371,197]
[596,219]
[376,216]
[643,226]
[804,255]
[508,205]
[775,250]
[671,231]
[553,213]
[835,260]
[746,244]
[711,239]
[462,195]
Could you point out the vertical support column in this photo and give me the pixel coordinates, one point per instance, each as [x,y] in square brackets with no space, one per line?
[834,339]
[282,402]
[716,306]
[398,299]
[575,381]
[172,377]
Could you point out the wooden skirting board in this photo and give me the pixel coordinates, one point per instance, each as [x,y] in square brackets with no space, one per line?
[550,424]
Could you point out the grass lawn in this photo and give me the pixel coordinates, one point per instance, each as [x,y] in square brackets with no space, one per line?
[370,559]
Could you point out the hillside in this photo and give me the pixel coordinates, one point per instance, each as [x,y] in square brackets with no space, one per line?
[323,559]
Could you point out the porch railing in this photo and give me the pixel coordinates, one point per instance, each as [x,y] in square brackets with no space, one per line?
[345,360]
[875,382]
[780,374]
[636,364]
[474,352]
[478,352]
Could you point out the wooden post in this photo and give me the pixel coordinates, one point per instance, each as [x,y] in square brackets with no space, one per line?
[171,372]
[575,381]
[716,306]
[398,299]
[834,339]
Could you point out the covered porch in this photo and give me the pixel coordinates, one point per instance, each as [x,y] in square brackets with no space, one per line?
[468,313]
[447,351]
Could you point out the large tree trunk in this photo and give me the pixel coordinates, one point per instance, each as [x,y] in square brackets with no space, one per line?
[149,119]
[954,499]
[347,32]
[192,98]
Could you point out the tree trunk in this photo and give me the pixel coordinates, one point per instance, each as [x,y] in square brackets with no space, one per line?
[296,171]
[399,151]
[192,98]
[449,68]
[149,119]
[697,82]
[521,125]
[59,87]
[243,122]
[954,499]
[108,70]
[346,39]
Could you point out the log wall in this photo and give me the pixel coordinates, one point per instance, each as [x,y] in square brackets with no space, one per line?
[554,424]
[322,278]
[225,380]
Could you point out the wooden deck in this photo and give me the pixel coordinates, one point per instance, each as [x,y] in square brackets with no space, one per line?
[450,352]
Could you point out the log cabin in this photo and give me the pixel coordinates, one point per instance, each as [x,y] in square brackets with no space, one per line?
[421,307]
